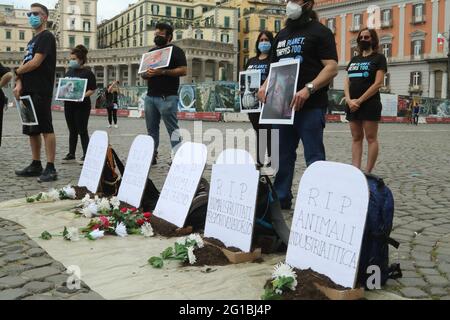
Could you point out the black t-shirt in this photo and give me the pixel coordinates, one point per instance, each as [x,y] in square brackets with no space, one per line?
[310,44]
[41,80]
[3,71]
[82,73]
[165,85]
[362,72]
[256,64]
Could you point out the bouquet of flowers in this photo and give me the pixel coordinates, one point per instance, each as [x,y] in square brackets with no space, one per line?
[68,192]
[284,278]
[183,250]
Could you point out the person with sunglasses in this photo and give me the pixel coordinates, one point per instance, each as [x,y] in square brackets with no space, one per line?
[35,78]
[362,94]
[311,43]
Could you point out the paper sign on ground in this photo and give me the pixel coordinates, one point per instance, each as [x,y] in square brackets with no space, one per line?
[329,220]
[181,183]
[232,200]
[136,170]
[94,161]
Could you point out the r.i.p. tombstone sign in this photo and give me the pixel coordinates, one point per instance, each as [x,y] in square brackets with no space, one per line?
[181,183]
[94,161]
[232,199]
[329,220]
[136,170]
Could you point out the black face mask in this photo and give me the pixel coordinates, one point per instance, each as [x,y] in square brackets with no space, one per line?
[160,41]
[364,45]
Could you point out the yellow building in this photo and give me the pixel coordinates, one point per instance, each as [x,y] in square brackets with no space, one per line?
[255,16]
[14,31]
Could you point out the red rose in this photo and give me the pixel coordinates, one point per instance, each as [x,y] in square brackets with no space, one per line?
[147,215]
[133,209]
[124,210]
[97,226]
[105,221]
[140,222]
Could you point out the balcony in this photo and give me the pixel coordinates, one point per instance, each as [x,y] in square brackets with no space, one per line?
[386,89]
[356,28]
[386,24]
[418,19]
[415,88]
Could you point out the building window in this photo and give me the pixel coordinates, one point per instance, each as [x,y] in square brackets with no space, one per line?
[387,50]
[155,9]
[168,11]
[179,35]
[87,42]
[417,49]
[416,78]
[247,25]
[72,24]
[199,35]
[72,41]
[87,8]
[262,24]
[225,38]
[357,21]
[227,22]
[141,41]
[245,44]
[21,35]
[8,49]
[22,49]
[141,11]
[331,25]
[141,25]
[386,18]
[8,35]
[418,13]
[179,13]
[277,25]
[87,26]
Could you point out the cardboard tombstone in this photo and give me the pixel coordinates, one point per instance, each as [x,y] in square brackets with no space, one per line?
[181,183]
[94,161]
[232,199]
[137,169]
[329,220]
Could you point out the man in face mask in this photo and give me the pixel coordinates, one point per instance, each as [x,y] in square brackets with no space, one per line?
[163,83]
[304,39]
[35,78]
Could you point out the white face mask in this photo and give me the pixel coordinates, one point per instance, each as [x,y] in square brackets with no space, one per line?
[294,10]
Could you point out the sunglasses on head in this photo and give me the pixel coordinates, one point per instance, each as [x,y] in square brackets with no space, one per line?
[33,13]
[365,38]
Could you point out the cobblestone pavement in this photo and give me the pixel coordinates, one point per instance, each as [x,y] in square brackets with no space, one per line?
[413,161]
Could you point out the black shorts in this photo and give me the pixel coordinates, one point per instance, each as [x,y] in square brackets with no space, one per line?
[43,107]
[367,112]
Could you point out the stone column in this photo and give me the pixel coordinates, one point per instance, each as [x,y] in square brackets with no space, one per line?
[216,70]
[131,77]
[118,75]
[202,70]
[105,76]
[432,92]
[190,70]
[434,27]
[401,36]
[343,38]
[444,85]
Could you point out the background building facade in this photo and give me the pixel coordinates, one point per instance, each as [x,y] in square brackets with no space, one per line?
[411,35]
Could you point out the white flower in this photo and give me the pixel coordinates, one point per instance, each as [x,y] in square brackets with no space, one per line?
[96,199]
[93,209]
[147,230]
[104,205]
[70,192]
[121,230]
[191,256]
[115,203]
[181,241]
[97,234]
[284,270]
[86,213]
[278,291]
[73,234]
[53,195]
[198,239]
[86,200]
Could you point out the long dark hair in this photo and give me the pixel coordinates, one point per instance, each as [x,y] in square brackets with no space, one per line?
[375,40]
[80,52]
[266,33]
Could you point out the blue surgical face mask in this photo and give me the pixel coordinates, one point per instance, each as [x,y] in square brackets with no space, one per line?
[35,21]
[264,47]
[73,64]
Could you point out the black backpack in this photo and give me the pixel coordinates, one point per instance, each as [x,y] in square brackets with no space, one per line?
[197,213]
[150,197]
[271,231]
[376,239]
[110,180]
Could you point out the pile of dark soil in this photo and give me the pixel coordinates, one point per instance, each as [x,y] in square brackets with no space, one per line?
[81,192]
[306,289]
[218,243]
[208,256]
[167,229]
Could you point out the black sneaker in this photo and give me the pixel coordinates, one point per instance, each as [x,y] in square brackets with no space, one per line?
[32,170]
[155,159]
[48,175]
[81,161]
[69,158]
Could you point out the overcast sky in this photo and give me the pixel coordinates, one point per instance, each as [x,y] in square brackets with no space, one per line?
[106,8]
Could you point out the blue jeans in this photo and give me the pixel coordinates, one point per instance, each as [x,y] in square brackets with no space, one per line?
[165,108]
[308,127]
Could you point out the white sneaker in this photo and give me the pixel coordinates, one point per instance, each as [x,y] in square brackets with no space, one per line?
[116,126]
[109,126]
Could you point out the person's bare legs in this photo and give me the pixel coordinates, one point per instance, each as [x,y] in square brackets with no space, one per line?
[50,146]
[35,144]
[371,133]
[357,131]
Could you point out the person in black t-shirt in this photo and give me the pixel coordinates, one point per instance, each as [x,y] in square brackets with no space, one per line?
[262,63]
[36,77]
[5,78]
[163,85]
[304,38]
[362,94]
[77,113]
[112,98]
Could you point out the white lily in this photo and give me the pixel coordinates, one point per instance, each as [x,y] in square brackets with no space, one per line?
[198,239]
[70,192]
[191,256]
[85,212]
[147,230]
[115,203]
[53,195]
[104,205]
[97,234]
[86,201]
[93,209]
[73,234]
[121,230]
[181,241]
[284,270]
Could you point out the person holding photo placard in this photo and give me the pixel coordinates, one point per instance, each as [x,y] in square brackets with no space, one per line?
[5,78]
[77,113]
[35,78]
[112,98]
[304,38]
[163,84]
[261,62]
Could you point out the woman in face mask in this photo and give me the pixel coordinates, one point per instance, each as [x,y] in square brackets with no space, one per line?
[362,94]
[261,62]
[77,113]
